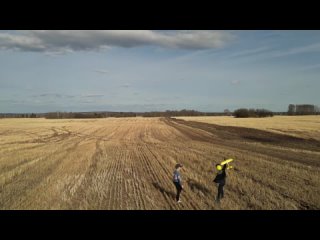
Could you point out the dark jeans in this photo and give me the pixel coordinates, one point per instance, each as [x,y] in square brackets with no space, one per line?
[179,189]
[220,191]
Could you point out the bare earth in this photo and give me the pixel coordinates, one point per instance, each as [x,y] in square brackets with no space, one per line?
[127,163]
[299,126]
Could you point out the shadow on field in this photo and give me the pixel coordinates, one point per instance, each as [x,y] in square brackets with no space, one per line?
[195,186]
[164,191]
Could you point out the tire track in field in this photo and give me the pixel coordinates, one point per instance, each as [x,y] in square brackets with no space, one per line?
[138,176]
[89,175]
[47,166]
[51,190]
[46,145]
[8,168]
[128,178]
[134,180]
[122,159]
[107,166]
[116,176]
[91,185]
[9,151]
[26,180]
[153,174]
[28,162]
[110,166]
[96,184]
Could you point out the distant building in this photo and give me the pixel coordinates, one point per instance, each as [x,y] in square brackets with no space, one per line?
[305,109]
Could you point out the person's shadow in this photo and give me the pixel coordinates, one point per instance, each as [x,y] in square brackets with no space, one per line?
[196,186]
[163,190]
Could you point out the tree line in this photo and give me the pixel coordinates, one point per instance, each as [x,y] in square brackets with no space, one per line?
[79,115]
[21,115]
[252,113]
[302,109]
[168,113]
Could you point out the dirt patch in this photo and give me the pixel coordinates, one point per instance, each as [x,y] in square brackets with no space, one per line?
[254,135]
[287,147]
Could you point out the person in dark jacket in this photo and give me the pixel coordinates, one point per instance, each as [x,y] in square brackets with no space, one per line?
[220,179]
[178,181]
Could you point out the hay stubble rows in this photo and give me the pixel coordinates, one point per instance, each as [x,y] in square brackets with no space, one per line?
[127,163]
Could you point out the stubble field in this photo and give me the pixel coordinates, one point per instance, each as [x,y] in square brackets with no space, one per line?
[127,163]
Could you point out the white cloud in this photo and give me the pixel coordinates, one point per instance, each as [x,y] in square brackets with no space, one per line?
[127,85]
[297,50]
[235,82]
[92,95]
[311,67]
[58,95]
[46,95]
[64,41]
[249,52]
[102,71]
[18,42]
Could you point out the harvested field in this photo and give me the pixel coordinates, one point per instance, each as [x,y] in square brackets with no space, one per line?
[127,163]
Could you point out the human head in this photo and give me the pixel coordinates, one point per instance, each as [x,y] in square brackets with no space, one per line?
[178,166]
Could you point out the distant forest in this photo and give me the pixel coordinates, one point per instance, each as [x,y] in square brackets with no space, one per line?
[71,115]
[303,109]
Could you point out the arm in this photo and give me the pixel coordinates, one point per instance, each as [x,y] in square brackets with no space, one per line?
[224,174]
[180,180]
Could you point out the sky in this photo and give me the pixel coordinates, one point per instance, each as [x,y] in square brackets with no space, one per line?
[149,70]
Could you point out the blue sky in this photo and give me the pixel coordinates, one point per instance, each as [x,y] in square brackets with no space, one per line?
[42,71]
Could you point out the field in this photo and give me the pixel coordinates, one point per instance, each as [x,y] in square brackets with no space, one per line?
[127,163]
[298,126]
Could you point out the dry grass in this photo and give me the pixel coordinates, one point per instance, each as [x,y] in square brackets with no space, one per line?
[127,163]
[299,126]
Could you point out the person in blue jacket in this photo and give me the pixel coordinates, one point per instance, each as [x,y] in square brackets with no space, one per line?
[178,181]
